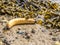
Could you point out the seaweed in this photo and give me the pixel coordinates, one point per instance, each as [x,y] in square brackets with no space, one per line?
[31,9]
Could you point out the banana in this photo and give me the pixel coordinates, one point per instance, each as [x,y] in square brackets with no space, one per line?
[16,21]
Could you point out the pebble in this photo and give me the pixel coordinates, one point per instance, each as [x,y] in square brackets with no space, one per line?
[26,33]
[16,37]
[6,42]
[6,28]
[43,30]
[33,31]
[50,33]
[19,29]
[20,32]
[26,37]
[54,39]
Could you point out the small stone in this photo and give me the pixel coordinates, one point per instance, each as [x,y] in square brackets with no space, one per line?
[6,28]
[19,29]
[20,32]
[54,39]
[27,37]
[10,41]
[6,42]
[26,33]
[50,33]
[43,30]
[33,31]
[16,37]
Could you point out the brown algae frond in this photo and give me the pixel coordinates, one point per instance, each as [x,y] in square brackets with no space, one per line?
[31,9]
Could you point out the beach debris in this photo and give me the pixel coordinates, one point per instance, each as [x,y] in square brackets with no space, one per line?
[17,21]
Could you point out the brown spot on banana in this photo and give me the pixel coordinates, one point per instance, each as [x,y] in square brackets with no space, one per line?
[16,21]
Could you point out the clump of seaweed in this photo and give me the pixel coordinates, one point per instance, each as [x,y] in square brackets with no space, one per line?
[32,9]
